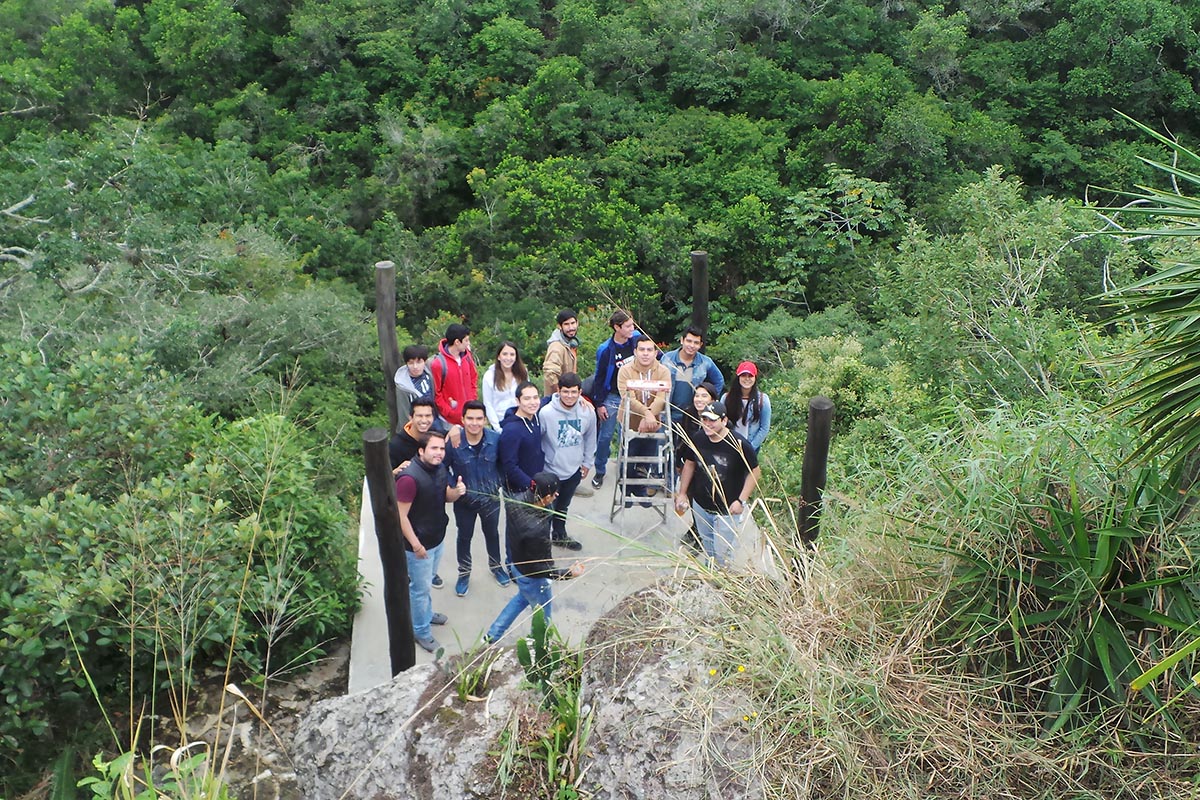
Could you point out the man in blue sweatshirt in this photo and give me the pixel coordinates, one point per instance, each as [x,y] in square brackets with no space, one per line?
[616,352]
[521,441]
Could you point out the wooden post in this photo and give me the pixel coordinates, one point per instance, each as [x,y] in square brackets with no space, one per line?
[812,475]
[700,290]
[382,490]
[385,326]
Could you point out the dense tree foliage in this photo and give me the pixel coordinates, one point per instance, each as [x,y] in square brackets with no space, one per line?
[507,148]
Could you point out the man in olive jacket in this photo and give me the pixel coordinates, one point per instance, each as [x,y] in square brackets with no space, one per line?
[562,351]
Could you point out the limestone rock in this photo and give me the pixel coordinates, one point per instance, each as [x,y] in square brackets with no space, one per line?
[409,739]
[662,727]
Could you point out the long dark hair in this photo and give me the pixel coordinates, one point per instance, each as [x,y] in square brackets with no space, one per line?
[518,368]
[733,402]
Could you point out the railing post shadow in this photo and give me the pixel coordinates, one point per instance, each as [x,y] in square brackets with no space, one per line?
[382,490]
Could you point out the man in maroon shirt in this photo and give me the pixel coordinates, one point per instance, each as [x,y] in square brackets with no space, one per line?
[422,491]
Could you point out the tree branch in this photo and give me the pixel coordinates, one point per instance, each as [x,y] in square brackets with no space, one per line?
[12,210]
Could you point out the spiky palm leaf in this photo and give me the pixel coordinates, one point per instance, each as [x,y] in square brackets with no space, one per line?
[1163,371]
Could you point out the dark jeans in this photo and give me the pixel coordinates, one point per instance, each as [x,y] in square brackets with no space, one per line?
[604,432]
[566,491]
[487,509]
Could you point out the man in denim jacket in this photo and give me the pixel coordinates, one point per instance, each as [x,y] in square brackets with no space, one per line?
[690,368]
[473,457]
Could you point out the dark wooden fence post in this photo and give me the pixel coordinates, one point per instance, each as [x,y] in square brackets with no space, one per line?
[700,290]
[385,326]
[382,490]
[812,476]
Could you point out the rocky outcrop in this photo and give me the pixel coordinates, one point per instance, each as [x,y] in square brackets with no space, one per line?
[661,726]
[664,729]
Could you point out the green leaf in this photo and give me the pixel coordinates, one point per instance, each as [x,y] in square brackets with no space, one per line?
[1152,674]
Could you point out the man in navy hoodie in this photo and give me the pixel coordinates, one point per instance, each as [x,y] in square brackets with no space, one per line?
[616,352]
[521,440]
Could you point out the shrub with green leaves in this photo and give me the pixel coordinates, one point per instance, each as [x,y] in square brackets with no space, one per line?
[142,541]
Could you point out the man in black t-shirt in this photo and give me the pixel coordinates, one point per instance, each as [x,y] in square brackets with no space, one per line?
[720,471]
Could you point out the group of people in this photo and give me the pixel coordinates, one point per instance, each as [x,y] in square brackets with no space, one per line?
[532,453]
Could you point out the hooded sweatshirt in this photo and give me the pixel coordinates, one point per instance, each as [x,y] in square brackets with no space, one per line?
[403,446]
[407,391]
[520,450]
[568,436]
[562,356]
[455,381]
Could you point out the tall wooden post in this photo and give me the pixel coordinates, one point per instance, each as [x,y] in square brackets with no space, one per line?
[382,490]
[700,290]
[385,326]
[813,473]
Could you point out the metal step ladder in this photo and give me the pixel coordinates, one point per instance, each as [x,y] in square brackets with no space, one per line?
[653,473]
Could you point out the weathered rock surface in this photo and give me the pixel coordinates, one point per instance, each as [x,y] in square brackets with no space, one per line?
[409,738]
[661,728]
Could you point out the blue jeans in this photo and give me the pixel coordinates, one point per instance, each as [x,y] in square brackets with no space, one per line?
[566,491]
[718,534]
[605,430]
[530,592]
[487,509]
[420,584]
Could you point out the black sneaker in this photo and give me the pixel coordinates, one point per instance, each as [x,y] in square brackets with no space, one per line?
[568,543]
[597,481]
[438,582]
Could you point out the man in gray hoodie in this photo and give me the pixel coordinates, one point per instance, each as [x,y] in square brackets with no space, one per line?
[569,444]
[413,381]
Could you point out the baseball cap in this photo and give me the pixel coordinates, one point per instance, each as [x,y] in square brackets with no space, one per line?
[545,483]
[713,411]
[747,366]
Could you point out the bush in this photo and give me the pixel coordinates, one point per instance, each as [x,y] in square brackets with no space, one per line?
[140,541]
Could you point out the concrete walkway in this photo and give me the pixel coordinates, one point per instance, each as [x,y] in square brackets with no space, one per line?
[620,557]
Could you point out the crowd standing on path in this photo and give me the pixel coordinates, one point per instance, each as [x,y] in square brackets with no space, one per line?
[503,447]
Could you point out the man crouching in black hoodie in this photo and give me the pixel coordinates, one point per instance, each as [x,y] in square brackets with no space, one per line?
[529,521]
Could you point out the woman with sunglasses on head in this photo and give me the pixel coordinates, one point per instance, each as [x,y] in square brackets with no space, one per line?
[749,409]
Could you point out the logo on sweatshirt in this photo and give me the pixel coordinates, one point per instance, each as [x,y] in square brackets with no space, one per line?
[570,433]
